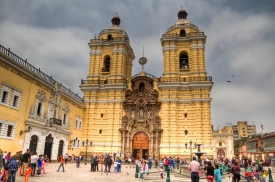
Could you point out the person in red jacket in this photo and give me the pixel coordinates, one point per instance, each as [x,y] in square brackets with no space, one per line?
[62,161]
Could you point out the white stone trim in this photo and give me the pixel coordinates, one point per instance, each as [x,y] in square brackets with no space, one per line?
[4,129]
[185,100]
[92,52]
[18,94]
[102,101]
[196,46]
[169,47]
[7,89]
[119,50]
[78,124]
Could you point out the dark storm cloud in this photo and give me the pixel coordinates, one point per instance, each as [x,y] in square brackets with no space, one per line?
[53,35]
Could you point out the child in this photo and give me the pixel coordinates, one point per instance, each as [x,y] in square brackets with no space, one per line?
[265,173]
[43,166]
[39,165]
[161,172]
[28,171]
[217,173]
[77,162]
[115,166]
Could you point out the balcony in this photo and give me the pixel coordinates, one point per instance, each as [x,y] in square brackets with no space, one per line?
[104,82]
[187,79]
[56,121]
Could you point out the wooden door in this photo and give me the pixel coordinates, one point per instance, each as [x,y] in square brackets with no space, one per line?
[141,142]
[220,153]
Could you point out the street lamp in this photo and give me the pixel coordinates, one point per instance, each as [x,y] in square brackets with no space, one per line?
[86,145]
[190,150]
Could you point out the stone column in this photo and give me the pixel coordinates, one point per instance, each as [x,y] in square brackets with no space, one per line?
[128,138]
[151,145]
[123,145]
[157,138]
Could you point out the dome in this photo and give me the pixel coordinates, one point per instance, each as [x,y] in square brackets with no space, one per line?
[116,20]
[182,14]
[115,27]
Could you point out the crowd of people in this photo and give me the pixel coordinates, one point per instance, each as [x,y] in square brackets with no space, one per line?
[253,171]
[22,164]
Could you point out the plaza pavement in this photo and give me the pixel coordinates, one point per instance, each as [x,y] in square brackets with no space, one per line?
[83,174]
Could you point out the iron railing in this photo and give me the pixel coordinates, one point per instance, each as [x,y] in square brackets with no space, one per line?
[106,40]
[147,75]
[56,121]
[104,82]
[180,35]
[27,65]
[186,79]
[183,25]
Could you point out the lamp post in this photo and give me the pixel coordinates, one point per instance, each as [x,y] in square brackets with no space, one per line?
[86,145]
[190,150]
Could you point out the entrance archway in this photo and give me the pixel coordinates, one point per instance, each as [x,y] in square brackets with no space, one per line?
[48,146]
[60,149]
[220,153]
[141,145]
[33,143]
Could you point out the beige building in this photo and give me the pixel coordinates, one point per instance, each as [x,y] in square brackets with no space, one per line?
[36,112]
[144,115]
[223,142]
[242,129]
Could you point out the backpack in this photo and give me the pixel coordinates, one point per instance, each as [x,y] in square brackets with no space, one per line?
[166,162]
[21,158]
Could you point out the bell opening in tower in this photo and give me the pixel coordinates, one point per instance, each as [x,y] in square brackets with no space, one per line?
[183,60]
[106,66]
[182,33]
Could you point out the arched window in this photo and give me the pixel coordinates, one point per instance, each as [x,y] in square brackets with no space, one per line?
[109,37]
[183,60]
[64,118]
[182,33]
[60,147]
[39,109]
[33,143]
[141,87]
[106,66]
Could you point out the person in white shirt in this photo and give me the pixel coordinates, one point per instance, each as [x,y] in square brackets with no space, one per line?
[34,159]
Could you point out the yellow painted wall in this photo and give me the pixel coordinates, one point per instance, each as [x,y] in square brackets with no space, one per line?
[29,87]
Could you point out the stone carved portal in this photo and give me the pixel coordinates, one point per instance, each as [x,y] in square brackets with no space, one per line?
[141,109]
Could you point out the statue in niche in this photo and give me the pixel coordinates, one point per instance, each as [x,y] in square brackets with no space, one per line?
[133,114]
[149,113]
[141,113]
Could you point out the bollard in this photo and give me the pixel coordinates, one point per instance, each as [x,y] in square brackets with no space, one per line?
[136,175]
[168,174]
[270,175]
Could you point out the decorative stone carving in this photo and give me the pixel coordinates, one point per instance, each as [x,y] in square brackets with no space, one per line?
[141,109]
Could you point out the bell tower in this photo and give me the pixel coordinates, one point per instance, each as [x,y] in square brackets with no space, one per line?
[111,54]
[185,89]
[109,71]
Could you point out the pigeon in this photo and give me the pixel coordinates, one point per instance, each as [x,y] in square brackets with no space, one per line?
[228,81]
[126,167]
[127,173]
[101,173]
[106,173]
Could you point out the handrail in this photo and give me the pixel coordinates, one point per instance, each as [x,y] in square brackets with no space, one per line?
[104,82]
[179,35]
[43,75]
[147,75]
[186,79]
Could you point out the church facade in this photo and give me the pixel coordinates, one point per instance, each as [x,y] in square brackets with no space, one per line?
[143,115]
[139,115]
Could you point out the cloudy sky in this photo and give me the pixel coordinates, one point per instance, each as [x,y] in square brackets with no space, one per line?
[53,36]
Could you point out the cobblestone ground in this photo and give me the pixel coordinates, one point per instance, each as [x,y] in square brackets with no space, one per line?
[73,174]
[83,174]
